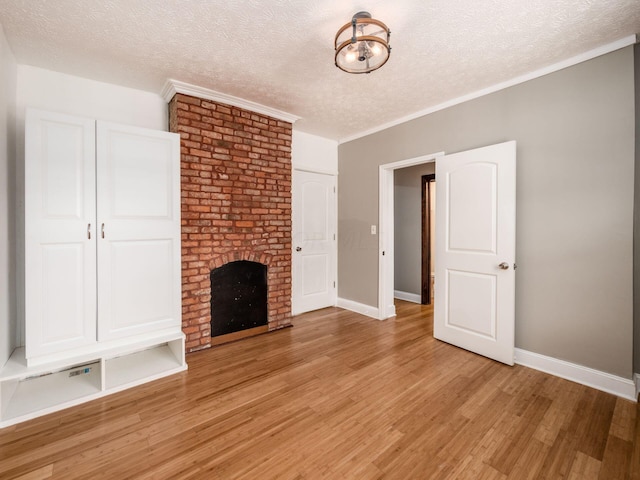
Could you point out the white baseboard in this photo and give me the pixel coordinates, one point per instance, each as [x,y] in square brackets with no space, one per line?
[360,308]
[606,382]
[622,387]
[409,297]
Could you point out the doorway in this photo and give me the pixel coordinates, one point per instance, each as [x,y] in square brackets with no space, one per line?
[475,300]
[386,306]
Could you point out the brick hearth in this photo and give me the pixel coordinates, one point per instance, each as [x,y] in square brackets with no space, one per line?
[236,204]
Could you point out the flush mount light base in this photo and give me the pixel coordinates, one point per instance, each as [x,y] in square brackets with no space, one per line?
[362,46]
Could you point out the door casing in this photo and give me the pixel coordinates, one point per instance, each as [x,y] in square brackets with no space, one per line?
[427,239]
[386,307]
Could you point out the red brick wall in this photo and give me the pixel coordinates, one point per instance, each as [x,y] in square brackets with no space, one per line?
[236,204]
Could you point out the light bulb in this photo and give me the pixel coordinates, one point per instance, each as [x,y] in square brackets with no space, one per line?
[350,56]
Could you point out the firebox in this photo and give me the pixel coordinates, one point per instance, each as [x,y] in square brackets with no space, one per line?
[238,297]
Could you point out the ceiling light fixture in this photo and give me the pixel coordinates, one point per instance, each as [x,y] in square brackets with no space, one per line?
[362,46]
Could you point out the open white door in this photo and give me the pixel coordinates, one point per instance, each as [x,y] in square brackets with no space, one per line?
[475,251]
[313,242]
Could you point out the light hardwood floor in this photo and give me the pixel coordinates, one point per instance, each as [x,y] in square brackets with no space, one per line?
[338,396]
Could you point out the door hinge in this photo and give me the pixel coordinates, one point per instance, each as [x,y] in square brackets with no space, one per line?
[334,189]
[334,236]
[334,284]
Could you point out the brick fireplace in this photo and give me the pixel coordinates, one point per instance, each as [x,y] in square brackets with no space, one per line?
[236,205]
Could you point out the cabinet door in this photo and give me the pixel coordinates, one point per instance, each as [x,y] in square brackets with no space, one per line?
[139,276]
[60,231]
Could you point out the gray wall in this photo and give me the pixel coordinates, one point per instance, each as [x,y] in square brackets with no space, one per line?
[8,76]
[407,207]
[575,196]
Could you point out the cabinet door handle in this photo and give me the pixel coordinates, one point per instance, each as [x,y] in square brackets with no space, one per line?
[102,230]
[89,231]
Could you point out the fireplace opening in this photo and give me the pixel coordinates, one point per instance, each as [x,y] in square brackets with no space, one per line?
[238,297]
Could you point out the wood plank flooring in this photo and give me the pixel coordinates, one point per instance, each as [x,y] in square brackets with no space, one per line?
[338,396]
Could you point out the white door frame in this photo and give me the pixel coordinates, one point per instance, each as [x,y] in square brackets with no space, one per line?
[386,308]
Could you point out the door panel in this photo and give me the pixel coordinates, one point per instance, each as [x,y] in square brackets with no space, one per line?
[471,301]
[141,173]
[138,214]
[141,295]
[314,250]
[472,224]
[60,248]
[63,319]
[316,274]
[475,233]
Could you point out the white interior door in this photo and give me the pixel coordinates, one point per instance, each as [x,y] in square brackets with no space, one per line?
[314,241]
[139,274]
[475,251]
[60,226]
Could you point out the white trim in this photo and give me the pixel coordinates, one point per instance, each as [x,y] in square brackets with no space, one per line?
[360,308]
[171,87]
[321,171]
[412,162]
[386,228]
[606,382]
[569,62]
[409,297]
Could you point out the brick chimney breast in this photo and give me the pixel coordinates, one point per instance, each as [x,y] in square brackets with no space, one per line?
[236,204]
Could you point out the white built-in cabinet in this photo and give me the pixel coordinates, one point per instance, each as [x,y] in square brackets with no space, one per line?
[102,263]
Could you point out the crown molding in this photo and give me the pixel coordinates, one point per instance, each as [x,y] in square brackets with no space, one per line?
[583,57]
[171,87]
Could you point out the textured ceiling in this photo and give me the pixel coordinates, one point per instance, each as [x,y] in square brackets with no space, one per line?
[279,53]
